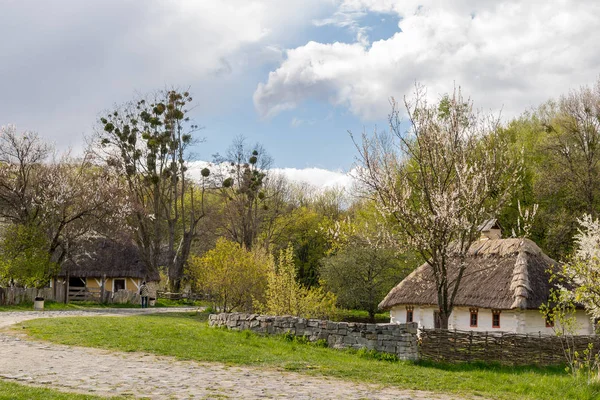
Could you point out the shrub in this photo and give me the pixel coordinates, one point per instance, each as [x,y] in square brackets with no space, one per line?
[234,277]
[285,296]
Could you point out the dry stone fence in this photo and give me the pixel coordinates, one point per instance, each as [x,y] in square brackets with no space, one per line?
[410,343]
[398,339]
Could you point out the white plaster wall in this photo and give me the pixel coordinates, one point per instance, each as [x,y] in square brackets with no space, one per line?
[535,322]
[461,320]
[518,321]
[422,315]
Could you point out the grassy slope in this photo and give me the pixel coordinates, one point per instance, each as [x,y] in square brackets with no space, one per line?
[14,391]
[187,337]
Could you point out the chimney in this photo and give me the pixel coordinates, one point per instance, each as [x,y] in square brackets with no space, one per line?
[490,229]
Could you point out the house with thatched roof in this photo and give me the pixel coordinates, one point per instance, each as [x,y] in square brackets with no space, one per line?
[503,286]
[107,265]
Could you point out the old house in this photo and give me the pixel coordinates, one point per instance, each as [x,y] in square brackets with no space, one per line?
[503,286]
[103,266]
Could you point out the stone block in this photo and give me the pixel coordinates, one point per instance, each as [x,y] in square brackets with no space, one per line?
[349,340]
[390,349]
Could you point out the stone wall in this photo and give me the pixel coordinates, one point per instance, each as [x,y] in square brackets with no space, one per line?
[398,339]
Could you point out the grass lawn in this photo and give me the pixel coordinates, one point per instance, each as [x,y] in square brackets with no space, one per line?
[360,316]
[15,391]
[82,305]
[187,336]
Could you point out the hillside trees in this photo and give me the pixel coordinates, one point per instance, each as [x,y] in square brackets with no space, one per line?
[146,141]
[559,142]
[439,181]
[365,260]
[61,198]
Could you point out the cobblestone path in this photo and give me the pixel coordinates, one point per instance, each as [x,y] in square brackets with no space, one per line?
[109,373]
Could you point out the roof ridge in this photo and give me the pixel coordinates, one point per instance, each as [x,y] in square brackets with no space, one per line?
[520,285]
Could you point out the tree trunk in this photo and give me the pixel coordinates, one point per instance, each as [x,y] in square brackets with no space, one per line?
[444,317]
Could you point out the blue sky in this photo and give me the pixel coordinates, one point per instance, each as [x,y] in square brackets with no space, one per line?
[294,75]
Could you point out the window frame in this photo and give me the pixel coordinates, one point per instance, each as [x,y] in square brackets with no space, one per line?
[496,315]
[114,284]
[410,312]
[473,312]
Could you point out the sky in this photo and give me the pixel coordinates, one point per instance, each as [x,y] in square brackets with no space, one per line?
[293,75]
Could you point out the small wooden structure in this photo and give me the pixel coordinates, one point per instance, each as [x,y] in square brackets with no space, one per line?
[103,268]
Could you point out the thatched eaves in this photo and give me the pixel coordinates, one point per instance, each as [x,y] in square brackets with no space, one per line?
[500,274]
[100,257]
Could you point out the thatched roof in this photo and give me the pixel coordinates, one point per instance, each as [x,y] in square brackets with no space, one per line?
[104,257]
[501,274]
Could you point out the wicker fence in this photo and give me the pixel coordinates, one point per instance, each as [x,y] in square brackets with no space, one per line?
[505,348]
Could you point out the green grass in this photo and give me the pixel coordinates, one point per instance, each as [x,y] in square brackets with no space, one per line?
[187,336]
[360,316]
[82,305]
[15,391]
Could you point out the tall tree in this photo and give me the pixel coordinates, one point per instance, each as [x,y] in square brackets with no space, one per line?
[147,141]
[438,181]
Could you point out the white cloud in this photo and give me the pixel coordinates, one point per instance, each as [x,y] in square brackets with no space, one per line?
[67,60]
[504,54]
[317,177]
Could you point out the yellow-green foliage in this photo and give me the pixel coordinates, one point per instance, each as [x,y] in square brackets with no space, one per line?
[232,276]
[24,256]
[285,296]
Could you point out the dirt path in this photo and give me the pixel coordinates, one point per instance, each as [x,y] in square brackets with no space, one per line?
[102,372]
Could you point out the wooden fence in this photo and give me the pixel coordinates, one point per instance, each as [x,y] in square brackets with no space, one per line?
[16,295]
[505,348]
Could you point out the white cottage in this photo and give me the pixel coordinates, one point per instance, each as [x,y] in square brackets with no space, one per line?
[503,286]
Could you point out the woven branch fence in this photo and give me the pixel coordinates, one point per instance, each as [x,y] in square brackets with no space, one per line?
[505,348]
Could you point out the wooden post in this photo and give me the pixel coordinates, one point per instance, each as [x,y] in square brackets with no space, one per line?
[470,344]
[454,347]
[102,288]
[540,347]
[67,287]
[486,342]
[501,347]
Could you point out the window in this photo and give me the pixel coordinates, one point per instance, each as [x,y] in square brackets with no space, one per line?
[473,319]
[119,284]
[409,313]
[549,322]
[495,318]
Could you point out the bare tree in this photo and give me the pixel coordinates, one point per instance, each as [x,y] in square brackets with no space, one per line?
[438,181]
[253,196]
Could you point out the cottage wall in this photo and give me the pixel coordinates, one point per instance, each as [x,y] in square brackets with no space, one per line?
[131,284]
[517,321]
